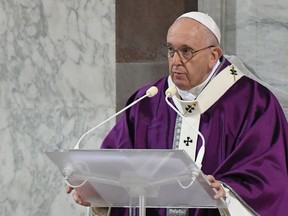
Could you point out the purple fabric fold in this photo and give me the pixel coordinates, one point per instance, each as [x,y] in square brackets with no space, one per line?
[246,136]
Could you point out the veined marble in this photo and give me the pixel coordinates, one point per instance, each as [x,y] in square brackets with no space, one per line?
[256,32]
[262,32]
[57,80]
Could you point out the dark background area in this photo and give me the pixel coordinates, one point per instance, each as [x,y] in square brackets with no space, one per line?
[141,28]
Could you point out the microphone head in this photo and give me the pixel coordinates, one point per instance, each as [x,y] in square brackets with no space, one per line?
[170,92]
[152,91]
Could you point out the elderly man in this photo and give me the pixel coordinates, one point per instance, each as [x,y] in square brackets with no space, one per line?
[241,121]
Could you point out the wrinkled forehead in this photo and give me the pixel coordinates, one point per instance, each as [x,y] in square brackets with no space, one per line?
[186,30]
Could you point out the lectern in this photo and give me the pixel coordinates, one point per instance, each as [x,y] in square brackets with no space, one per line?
[138,178]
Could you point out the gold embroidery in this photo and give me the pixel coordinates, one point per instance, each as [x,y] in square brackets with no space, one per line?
[190,107]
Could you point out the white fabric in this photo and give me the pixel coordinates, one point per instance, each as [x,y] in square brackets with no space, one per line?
[193,93]
[205,20]
[216,88]
[193,119]
[100,212]
[235,208]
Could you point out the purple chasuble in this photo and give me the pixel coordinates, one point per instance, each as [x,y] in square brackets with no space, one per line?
[246,136]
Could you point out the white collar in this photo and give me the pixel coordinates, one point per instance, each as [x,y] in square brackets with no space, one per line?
[195,91]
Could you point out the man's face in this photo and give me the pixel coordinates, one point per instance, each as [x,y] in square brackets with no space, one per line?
[187,33]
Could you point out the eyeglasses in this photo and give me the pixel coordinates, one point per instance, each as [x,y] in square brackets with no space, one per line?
[185,53]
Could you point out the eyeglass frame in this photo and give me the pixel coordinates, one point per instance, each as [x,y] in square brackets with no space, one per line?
[181,48]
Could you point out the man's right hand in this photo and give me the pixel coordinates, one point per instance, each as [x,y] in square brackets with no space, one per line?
[77,198]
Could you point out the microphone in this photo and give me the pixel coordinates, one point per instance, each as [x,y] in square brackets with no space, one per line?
[151,92]
[170,92]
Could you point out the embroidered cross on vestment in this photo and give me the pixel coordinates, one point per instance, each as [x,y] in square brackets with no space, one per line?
[187,141]
[189,108]
[233,72]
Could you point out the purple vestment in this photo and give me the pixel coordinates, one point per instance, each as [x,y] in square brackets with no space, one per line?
[246,136]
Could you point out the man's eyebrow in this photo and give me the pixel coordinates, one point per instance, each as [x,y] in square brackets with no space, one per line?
[186,46]
[183,46]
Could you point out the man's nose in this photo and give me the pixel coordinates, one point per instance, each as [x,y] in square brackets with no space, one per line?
[176,59]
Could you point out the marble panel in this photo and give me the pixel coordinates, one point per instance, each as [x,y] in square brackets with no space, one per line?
[256,32]
[261,39]
[57,81]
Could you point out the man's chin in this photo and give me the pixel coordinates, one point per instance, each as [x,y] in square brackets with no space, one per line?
[181,86]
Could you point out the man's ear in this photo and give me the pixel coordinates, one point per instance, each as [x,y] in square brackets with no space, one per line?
[216,53]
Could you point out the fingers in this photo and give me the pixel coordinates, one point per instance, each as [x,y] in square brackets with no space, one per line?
[211,178]
[78,199]
[217,186]
[69,190]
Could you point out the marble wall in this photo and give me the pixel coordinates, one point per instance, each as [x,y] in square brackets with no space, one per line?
[256,32]
[57,80]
